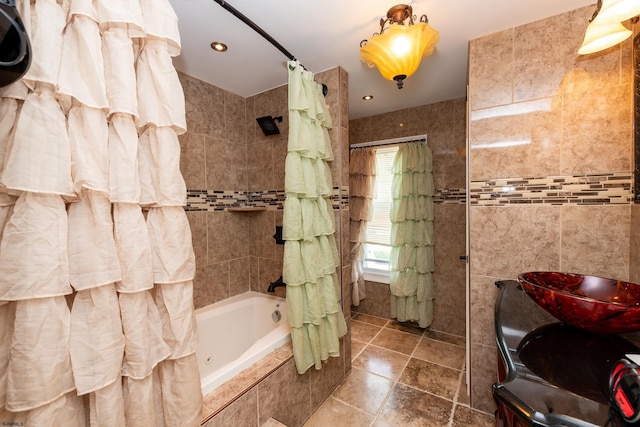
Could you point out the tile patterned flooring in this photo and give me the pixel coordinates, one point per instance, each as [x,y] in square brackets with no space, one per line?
[401,376]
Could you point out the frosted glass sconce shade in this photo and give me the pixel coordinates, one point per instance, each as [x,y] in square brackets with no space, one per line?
[601,36]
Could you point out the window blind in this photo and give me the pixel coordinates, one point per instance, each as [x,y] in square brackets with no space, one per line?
[379,228]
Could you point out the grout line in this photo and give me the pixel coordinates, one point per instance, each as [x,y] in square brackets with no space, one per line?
[396,381]
[442,341]
[393,351]
[455,397]
[355,356]
[386,398]
[430,393]
[351,406]
[384,402]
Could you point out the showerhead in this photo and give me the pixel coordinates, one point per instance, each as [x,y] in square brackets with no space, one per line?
[268,124]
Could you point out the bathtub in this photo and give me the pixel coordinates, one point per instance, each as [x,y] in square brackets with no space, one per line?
[237,332]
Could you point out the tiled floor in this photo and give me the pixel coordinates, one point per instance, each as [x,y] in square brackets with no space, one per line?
[401,376]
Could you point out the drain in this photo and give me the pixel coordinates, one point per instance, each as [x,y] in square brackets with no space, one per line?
[276,316]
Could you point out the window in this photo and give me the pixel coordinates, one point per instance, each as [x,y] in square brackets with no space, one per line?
[377,248]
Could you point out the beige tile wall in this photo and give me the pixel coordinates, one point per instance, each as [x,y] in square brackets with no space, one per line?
[445,126]
[224,149]
[284,395]
[537,109]
[214,157]
[634,259]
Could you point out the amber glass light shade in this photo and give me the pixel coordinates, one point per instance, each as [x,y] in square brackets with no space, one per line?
[602,35]
[618,10]
[397,52]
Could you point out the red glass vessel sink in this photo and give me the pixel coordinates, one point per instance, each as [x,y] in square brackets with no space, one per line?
[592,303]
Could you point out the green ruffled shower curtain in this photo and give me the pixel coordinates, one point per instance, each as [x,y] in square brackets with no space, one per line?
[310,251]
[412,236]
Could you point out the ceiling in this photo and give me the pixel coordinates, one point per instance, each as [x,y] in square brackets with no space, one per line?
[327,33]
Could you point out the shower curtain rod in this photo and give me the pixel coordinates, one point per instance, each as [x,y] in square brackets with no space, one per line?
[415,138]
[235,12]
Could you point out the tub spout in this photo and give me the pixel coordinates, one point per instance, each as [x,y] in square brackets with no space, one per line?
[273,285]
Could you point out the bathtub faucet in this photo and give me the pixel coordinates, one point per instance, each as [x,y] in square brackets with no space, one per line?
[273,285]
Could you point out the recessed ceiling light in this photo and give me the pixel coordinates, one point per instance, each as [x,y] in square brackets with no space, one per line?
[367,97]
[219,46]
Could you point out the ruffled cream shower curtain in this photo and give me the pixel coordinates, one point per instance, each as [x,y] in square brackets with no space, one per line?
[310,252]
[362,174]
[96,312]
[412,236]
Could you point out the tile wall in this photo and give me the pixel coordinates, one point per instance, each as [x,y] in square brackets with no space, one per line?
[445,126]
[226,160]
[283,394]
[550,136]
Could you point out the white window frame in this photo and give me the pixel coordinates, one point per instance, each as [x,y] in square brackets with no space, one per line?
[382,191]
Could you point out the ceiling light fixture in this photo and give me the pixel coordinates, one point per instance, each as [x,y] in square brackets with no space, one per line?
[605,28]
[367,97]
[400,45]
[219,46]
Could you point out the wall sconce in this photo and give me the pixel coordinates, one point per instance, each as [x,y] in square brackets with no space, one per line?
[400,45]
[605,28]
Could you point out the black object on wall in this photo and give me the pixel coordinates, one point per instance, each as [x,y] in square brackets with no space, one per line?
[268,124]
[15,49]
[278,235]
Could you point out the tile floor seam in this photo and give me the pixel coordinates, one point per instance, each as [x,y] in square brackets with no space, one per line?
[393,351]
[395,382]
[428,392]
[382,325]
[350,405]
[435,363]
[344,402]
[443,333]
[375,336]
[354,357]
[369,372]
[403,332]
[414,349]
[368,323]
[386,398]
[443,342]
[455,399]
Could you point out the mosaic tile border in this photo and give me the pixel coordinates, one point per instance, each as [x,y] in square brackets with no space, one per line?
[218,200]
[450,196]
[597,189]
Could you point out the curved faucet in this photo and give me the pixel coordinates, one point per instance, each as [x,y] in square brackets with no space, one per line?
[273,285]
